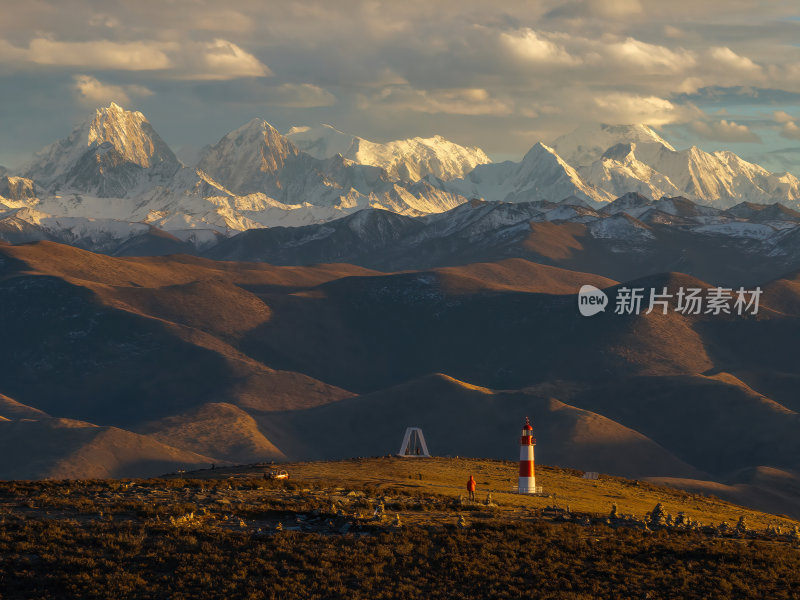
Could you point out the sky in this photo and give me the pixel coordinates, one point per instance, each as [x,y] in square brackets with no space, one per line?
[502,75]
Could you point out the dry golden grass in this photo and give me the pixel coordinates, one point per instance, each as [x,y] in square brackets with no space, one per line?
[223,431]
[561,487]
[516,274]
[233,535]
[49,258]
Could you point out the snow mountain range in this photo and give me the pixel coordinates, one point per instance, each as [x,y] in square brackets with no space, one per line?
[403,159]
[113,185]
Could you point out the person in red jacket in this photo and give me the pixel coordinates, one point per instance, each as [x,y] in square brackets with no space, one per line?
[471,488]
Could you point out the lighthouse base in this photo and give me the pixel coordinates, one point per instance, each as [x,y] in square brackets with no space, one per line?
[527,485]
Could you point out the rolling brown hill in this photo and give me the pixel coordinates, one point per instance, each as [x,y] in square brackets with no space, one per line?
[10,409]
[70,449]
[514,275]
[223,431]
[710,422]
[121,340]
[467,420]
[236,361]
[773,490]
[369,333]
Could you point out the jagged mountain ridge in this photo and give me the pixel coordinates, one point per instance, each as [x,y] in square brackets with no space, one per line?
[630,237]
[257,159]
[635,159]
[721,178]
[587,143]
[116,168]
[541,175]
[412,158]
[108,156]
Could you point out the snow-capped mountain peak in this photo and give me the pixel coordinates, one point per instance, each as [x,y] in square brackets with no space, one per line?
[588,143]
[544,175]
[103,154]
[324,141]
[115,168]
[541,175]
[130,134]
[410,159]
[245,155]
[541,151]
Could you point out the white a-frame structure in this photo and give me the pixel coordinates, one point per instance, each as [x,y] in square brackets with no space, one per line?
[414,444]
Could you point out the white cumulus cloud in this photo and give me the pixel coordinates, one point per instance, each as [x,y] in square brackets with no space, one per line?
[215,60]
[790,131]
[620,107]
[101,54]
[221,59]
[724,131]
[533,46]
[649,57]
[728,59]
[464,101]
[789,128]
[92,92]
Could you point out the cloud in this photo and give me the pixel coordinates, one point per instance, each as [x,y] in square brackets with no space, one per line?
[728,59]
[222,20]
[91,92]
[407,67]
[790,131]
[670,31]
[300,95]
[466,101]
[649,57]
[724,131]
[602,9]
[617,9]
[603,57]
[12,54]
[690,85]
[215,60]
[102,54]
[221,59]
[532,46]
[789,128]
[624,108]
[102,20]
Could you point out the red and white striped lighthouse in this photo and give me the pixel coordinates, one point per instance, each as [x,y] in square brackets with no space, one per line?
[527,479]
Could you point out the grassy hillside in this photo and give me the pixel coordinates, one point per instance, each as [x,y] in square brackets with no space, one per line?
[385,528]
